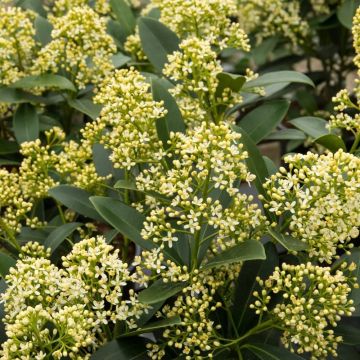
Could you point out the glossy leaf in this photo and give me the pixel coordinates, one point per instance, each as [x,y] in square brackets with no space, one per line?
[119,60]
[160,291]
[269,352]
[260,122]
[103,164]
[176,320]
[45,80]
[6,262]
[26,123]
[13,96]
[157,41]
[287,134]
[173,120]
[346,11]
[75,199]
[246,284]
[86,106]
[230,81]
[43,30]
[124,15]
[331,142]
[57,236]
[287,241]
[248,250]
[123,349]
[275,77]
[311,125]
[350,334]
[127,220]
[8,147]
[35,5]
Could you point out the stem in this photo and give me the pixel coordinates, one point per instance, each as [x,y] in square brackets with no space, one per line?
[127,201]
[355,144]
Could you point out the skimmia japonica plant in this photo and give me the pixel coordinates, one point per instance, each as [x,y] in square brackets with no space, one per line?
[138,216]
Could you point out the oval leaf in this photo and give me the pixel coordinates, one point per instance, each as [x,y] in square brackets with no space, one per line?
[249,250]
[75,199]
[287,241]
[346,11]
[57,236]
[122,217]
[275,77]
[26,123]
[157,41]
[260,122]
[124,15]
[160,291]
[331,142]
[311,125]
[86,106]
[287,134]
[46,80]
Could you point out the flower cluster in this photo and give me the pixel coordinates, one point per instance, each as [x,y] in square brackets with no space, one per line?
[272,17]
[319,197]
[77,300]
[80,46]
[126,124]
[18,47]
[356,35]
[61,7]
[313,301]
[206,162]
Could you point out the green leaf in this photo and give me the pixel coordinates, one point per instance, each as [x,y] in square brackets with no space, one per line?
[173,120]
[123,349]
[160,291]
[310,125]
[13,96]
[270,166]
[331,142]
[246,284]
[47,122]
[261,52]
[287,241]
[275,77]
[75,199]
[43,30]
[119,60]
[57,236]
[122,217]
[35,5]
[230,81]
[260,122]
[45,80]
[6,262]
[350,334]
[124,15]
[287,134]
[346,11]
[86,106]
[248,250]
[155,326]
[26,123]
[157,41]
[8,147]
[103,164]
[269,352]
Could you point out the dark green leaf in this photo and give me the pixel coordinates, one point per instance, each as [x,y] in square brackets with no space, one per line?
[346,11]
[230,81]
[173,120]
[248,250]
[270,166]
[288,241]
[119,60]
[275,77]
[57,236]
[123,349]
[260,122]
[122,217]
[157,41]
[125,184]
[26,123]
[155,326]
[331,142]
[160,291]
[86,106]
[350,334]
[8,147]
[269,352]
[3,336]
[43,30]
[287,134]
[246,284]
[35,5]
[261,52]
[45,80]
[124,15]
[6,262]
[310,125]
[13,96]
[75,199]
[101,159]
[47,122]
